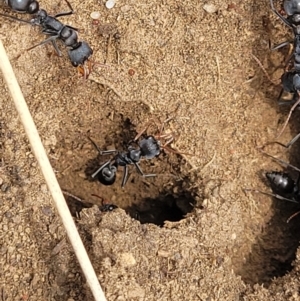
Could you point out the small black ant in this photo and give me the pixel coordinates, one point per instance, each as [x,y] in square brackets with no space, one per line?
[78,204]
[105,207]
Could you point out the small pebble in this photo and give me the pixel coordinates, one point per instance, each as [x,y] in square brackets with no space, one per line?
[95,15]
[210,8]
[47,210]
[4,187]
[8,214]
[110,4]
[127,260]
[131,72]
[43,188]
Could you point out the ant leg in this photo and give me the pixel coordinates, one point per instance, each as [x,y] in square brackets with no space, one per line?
[279,15]
[125,176]
[172,150]
[280,161]
[264,70]
[281,45]
[108,152]
[292,216]
[66,13]
[288,145]
[289,116]
[277,196]
[101,152]
[290,57]
[14,18]
[143,130]
[280,100]
[100,168]
[51,39]
[56,48]
[141,172]
[95,145]
[162,127]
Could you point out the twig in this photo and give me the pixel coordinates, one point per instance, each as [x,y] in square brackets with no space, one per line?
[292,216]
[218,68]
[41,156]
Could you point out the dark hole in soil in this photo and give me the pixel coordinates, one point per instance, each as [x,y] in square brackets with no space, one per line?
[275,249]
[151,200]
[165,207]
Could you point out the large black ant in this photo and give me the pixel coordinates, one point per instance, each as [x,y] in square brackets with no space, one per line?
[146,148]
[79,51]
[141,147]
[290,80]
[282,184]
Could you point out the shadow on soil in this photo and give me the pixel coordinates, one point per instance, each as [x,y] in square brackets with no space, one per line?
[275,250]
[166,207]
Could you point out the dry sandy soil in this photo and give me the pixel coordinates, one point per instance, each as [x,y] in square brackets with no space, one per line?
[191,233]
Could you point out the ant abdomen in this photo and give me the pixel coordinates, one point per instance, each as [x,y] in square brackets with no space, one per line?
[281,182]
[107,176]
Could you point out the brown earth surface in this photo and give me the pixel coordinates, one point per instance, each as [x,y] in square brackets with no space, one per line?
[156,59]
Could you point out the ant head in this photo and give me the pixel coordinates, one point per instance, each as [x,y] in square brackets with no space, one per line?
[296,82]
[41,16]
[291,7]
[150,147]
[33,7]
[80,53]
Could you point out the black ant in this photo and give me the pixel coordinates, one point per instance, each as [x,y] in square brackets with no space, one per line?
[106,206]
[79,51]
[146,148]
[141,147]
[283,186]
[78,204]
[290,80]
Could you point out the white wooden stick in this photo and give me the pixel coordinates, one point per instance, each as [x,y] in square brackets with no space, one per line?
[43,161]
